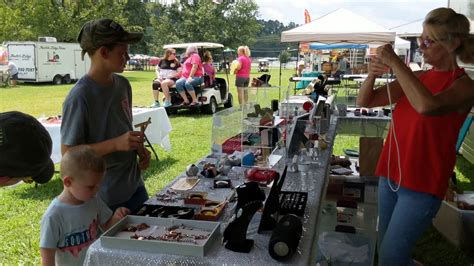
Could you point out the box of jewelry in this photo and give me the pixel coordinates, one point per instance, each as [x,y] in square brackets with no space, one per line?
[162,235]
[210,211]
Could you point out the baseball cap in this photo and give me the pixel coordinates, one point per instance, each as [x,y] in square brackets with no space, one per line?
[101,32]
[301,63]
[25,148]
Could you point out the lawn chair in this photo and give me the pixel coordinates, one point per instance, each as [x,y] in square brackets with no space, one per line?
[265,78]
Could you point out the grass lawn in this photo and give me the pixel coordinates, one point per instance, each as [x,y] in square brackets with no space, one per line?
[22,206]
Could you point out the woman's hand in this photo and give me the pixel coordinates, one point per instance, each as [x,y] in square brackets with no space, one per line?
[387,55]
[377,68]
[129,141]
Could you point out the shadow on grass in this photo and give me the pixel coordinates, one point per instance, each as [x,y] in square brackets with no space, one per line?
[43,192]
[158,166]
[136,79]
[193,112]
[433,249]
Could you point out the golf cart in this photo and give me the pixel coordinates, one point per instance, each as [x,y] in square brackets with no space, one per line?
[263,65]
[209,97]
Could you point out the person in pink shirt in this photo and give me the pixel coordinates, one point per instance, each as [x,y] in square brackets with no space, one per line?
[242,73]
[191,76]
[209,69]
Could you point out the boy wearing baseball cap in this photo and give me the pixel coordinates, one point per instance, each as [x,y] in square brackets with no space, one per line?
[98,112]
[25,150]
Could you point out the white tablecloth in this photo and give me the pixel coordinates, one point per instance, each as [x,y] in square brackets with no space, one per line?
[157,132]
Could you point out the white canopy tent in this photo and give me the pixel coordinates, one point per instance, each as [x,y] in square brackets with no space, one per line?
[415,28]
[340,26]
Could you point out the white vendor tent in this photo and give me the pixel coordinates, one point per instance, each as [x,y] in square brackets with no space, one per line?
[410,29]
[340,26]
[415,28]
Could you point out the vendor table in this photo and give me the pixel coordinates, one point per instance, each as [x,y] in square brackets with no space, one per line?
[312,181]
[377,80]
[157,132]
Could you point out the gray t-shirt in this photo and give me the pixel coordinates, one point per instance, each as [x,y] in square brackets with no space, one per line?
[92,114]
[342,63]
[71,229]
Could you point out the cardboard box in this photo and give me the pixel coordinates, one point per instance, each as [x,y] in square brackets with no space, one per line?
[456,225]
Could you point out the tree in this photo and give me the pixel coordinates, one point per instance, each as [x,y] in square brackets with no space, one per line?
[284,57]
[25,20]
[268,41]
[138,20]
[231,23]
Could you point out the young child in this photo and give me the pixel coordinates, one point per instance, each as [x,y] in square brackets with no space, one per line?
[98,112]
[73,219]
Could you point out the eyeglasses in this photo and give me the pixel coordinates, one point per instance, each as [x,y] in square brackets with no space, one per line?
[427,42]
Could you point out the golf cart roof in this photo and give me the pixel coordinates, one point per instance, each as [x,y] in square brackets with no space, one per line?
[197,44]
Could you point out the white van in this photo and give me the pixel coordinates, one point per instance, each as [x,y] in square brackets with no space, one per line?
[48,61]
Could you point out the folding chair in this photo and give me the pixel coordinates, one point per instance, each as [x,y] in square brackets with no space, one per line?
[462,135]
[464,129]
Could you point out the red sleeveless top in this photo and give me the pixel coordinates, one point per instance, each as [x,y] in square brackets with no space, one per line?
[427,143]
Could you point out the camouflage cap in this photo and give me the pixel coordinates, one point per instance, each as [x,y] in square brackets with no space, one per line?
[101,32]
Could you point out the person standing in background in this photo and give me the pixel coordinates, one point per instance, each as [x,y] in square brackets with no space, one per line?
[341,66]
[242,73]
[13,70]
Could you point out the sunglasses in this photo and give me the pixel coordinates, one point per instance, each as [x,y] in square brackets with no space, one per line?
[427,42]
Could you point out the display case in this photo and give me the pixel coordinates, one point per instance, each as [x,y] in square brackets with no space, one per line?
[348,217]
[262,129]
[226,129]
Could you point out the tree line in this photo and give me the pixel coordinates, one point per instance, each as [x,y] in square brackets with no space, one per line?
[232,23]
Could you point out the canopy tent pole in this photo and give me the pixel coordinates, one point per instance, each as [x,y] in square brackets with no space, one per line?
[279,81]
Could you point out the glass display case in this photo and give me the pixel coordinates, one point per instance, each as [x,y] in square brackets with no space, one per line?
[226,129]
[262,128]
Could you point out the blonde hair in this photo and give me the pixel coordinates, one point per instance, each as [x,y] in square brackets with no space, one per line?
[244,50]
[168,53]
[80,160]
[446,26]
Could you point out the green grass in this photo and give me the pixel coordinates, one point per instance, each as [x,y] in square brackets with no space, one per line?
[22,206]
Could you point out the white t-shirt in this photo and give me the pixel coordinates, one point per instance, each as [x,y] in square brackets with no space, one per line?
[12,68]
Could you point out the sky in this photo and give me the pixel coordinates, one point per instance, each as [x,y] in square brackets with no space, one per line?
[388,14]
